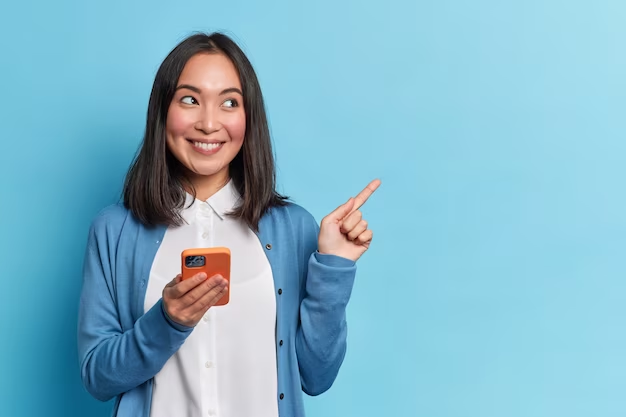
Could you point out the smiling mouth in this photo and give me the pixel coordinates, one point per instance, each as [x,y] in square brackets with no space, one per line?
[206,147]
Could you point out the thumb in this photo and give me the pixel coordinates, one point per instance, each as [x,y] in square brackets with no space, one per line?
[343,210]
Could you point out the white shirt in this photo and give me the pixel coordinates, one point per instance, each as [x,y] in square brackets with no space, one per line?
[227,365]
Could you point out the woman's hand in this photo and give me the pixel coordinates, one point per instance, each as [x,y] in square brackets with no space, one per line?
[344,232]
[185,302]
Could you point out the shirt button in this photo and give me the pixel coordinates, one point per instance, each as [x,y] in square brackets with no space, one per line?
[205,235]
[206,318]
[212,412]
[268,246]
[209,364]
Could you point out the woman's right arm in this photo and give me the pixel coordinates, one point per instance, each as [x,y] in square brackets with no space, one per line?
[114,361]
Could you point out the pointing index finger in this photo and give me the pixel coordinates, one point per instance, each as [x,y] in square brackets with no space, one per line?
[367,192]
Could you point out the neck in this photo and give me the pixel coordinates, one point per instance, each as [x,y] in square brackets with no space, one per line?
[207,185]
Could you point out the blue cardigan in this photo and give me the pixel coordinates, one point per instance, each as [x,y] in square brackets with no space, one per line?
[121,349]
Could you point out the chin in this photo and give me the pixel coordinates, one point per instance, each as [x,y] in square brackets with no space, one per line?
[207,171]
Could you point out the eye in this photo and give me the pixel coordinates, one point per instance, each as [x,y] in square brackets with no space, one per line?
[231,102]
[188,100]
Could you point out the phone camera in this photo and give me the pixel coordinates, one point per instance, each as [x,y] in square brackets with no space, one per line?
[194,261]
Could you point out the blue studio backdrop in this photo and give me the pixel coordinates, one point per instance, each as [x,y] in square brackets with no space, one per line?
[495,285]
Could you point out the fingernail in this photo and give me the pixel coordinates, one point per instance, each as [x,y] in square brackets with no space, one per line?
[201,276]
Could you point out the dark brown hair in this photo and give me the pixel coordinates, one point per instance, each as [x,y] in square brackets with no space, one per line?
[154,190]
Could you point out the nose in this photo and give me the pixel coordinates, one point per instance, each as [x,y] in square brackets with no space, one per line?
[208,121]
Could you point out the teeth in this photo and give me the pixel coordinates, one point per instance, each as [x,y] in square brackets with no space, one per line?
[207,146]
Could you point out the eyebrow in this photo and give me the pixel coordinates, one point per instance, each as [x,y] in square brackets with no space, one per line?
[198,91]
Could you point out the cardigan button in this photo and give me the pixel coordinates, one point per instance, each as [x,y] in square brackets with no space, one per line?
[280,343]
[282,396]
[280,291]
[268,246]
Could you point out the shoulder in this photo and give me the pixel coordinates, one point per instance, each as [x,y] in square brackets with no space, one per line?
[110,215]
[110,220]
[295,214]
[299,213]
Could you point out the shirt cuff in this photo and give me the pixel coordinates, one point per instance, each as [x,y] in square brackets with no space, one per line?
[179,327]
[333,260]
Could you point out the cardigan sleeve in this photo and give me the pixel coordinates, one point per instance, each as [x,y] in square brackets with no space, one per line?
[113,361]
[321,338]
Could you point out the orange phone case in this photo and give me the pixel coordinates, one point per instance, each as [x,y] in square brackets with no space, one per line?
[217,261]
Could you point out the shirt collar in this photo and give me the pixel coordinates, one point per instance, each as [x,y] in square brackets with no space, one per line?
[221,203]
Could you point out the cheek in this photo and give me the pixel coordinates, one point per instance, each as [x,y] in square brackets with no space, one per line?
[177,123]
[236,128]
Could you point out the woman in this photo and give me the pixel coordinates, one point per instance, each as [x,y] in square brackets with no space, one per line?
[204,177]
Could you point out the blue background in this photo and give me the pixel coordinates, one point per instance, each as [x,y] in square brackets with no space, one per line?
[495,285]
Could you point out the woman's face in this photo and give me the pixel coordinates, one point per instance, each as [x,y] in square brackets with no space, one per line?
[206,121]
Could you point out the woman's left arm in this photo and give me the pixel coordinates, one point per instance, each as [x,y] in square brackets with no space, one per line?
[321,337]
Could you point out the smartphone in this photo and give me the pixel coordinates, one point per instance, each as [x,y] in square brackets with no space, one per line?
[211,261]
